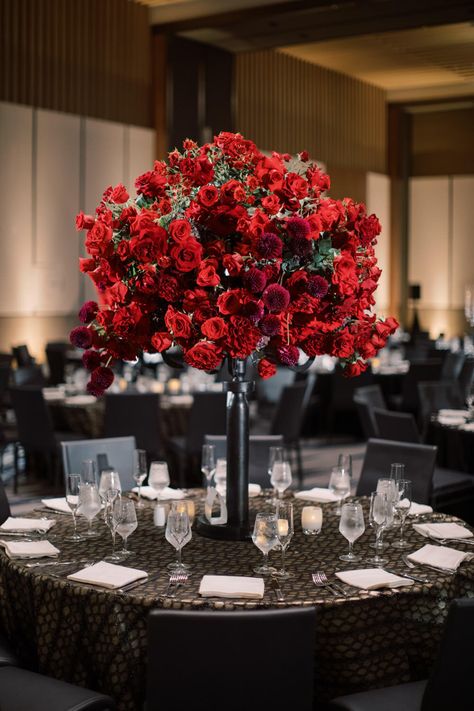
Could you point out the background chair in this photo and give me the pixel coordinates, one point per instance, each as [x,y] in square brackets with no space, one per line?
[29,375]
[57,358]
[366,399]
[116,452]
[452,365]
[397,426]
[248,679]
[4,507]
[22,356]
[466,377]
[258,454]
[135,415]
[420,371]
[450,685]
[434,396]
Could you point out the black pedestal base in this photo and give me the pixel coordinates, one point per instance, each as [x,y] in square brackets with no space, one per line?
[222,532]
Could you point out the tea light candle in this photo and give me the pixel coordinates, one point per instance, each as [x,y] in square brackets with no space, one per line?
[160,514]
[311,520]
[174,385]
[186,506]
[282,527]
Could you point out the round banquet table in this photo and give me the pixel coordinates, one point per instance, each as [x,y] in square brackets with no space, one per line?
[97,638]
[455,445]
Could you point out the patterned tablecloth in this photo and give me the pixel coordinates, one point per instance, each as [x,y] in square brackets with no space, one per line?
[98,638]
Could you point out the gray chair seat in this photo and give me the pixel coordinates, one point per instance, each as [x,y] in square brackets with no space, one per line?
[405,697]
[7,658]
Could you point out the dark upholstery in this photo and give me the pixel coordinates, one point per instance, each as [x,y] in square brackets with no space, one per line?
[258,454]
[56,355]
[420,371]
[216,661]
[22,690]
[452,365]
[4,505]
[134,415]
[406,697]
[466,377]
[436,395]
[22,356]
[29,375]
[116,452]
[7,657]
[398,426]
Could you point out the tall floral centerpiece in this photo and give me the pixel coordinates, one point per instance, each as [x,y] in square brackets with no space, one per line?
[225,253]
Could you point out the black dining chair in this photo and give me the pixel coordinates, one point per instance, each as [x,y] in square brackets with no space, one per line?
[135,415]
[466,377]
[259,447]
[398,426]
[233,665]
[452,365]
[56,356]
[434,396]
[22,356]
[450,685]
[7,655]
[366,399]
[31,375]
[115,452]
[420,371]
[4,503]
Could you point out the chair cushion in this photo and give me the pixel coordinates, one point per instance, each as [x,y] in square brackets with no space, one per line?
[446,481]
[405,697]
[7,658]
[23,690]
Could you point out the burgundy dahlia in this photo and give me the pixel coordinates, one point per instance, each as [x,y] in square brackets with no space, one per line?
[298,228]
[276,297]
[102,377]
[253,310]
[269,325]
[301,246]
[81,337]
[318,286]
[91,360]
[288,355]
[255,280]
[270,246]
[88,312]
[93,389]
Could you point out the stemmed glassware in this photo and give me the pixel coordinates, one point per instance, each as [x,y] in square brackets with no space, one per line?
[73,482]
[88,474]
[208,462]
[285,530]
[389,488]
[378,515]
[281,477]
[89,505]
[109,479]
[110,496]
[126,522]
[275,454]
[178,533]
[352,527]
[159,477]
[344,461]
[265,537]
[139,472]
[340,485]
[220,476]
[397,471]
[402,506]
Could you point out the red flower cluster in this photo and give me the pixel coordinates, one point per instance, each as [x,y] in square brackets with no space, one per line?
[225,252]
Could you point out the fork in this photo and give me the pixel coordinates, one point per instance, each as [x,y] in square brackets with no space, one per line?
[321,581]
[176,579]
[445,541]
[409,564]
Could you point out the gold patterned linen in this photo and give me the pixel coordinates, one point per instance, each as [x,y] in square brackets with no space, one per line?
[97,638]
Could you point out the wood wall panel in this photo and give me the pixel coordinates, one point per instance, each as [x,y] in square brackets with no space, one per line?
[462,248]
[286,104]
[90,57]
[378,201]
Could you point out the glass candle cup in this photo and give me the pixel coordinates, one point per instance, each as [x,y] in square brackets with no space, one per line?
[311,520]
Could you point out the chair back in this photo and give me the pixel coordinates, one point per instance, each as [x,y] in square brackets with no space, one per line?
[466,377]
[29,375]
[450,685]
[22,356]
[250,678]
[270,390]
[419,371]
[4,504]
[289,413]
[397,426]
[372,395]
[134,415]
[419,461]
[258,454]
[34,422]
[366,417]
[5,377]
[452,365]
[436,395]
[208,414]
[56,357]
[119,453]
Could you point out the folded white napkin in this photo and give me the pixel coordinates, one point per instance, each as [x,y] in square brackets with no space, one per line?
[440,557]
[468,427]
[52,394]
[26,524]
[148,492]
[451,421]
[444,412]
[442,530]
[59,504]
[317,494]
[80,400]
[254,490]
[108,575]
[232,586]
[29,549]
[372,579]
[418,509]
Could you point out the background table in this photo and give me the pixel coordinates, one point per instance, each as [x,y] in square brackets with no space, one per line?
[98,638]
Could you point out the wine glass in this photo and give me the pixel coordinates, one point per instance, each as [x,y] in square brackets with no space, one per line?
[397,471]
[159,477]
[388,487]
[344,461]
[208,462]
[109,479]
[275,454]
[352,527]
[281,477]
[110,496]
[220,475]
[402,506]
[285,530]
[340,485]
[378,514]
[73,482]
[178,533]
[265,537]
[88,473]
[89,505]
[139,472]
[126,522]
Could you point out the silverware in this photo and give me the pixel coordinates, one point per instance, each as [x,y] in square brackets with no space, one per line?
[58,562]
[176,579]
[443,571]
[447,541]
[277,589]
[321,581]
[137,583]
[24,534]
[53,512]
[409,577]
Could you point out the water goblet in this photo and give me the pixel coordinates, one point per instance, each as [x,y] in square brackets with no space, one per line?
[89,506]
[281,477]
[178,534]
[159,477]
[352,527]
[402,507]
[285,530]
[139,473]
[378,514]
[265,537]
[208,462]
[340,485]
[73,482]
[275,454]
[126,522]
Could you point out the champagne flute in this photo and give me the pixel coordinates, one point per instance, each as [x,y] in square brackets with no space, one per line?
[139,473]
[73,482]
[285,530]
[281,477]
[275,454]
[340,485]
[352,527]
[265,537]
[379,505]
[344,461]
[208,462]
[397,471]
[126,522]
[178,533]
[89,505]
[402,506]
[159,477]
[88,473]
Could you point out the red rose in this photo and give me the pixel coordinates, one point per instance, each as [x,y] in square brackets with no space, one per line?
[161,341]
[87,265]
[352,369]
[266,369]
[242,337]
[214,328]
[204,356]
[232,192]
[168,287]
[128,321]
[345,274]
[271,204]
[369,229]
[208,196]
[187,255]
[233,263]
[207,275]
[342,344]
[123,250]
[297,185]
[149,244]
[229,302]
[193,299]
[84,222]
[315,345]
[99,240]
[119,194]
[151,184]
[180,230]
[179,324]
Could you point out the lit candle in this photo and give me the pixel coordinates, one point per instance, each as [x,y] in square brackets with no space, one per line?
[311,520]
[282,527]
[186,506]
[174,385]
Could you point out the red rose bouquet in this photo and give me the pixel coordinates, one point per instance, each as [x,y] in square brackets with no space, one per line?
[226,252]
